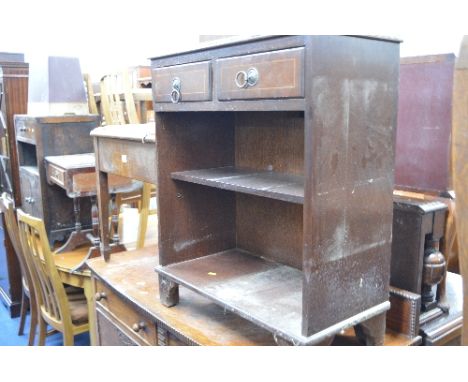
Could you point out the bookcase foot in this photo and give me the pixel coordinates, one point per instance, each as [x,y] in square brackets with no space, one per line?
[168,292]
[284,342]
[372,331]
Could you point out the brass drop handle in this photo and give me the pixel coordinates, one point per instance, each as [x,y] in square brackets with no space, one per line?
[100,296]
[139,326]
[245,79]
[175,93]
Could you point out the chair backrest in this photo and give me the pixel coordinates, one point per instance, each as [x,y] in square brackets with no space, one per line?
[111,105]
[132,115]
[117,101]
[8,209]
[90,94]
[118,110]
[50,291]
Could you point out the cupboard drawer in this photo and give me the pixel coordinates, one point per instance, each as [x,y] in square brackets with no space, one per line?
[182,83]
[111,334]
[125,315]
[278,74]
[25,131]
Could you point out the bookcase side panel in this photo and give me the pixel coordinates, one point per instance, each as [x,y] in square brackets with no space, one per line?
[350,120]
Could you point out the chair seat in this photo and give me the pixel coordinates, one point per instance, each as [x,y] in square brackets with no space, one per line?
[78,305]
[69,289]
[79,311]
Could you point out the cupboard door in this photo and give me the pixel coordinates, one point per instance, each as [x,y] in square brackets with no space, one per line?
[31,197]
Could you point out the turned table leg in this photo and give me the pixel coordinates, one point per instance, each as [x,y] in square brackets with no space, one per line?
[77,237]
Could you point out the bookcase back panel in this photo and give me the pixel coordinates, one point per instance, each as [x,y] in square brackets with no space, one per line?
[270,141]
[194,220]
[270,228]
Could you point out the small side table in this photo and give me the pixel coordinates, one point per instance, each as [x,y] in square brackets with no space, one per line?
[76,174]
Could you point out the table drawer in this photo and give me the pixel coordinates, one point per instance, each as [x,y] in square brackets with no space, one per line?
[24,129]
[128,158]
[55,174]
[182,83]
[125,315]
[278,74]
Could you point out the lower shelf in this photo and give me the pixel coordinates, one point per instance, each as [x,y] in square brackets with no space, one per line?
[262,291]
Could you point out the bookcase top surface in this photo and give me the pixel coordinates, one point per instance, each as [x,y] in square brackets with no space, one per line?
[238,40]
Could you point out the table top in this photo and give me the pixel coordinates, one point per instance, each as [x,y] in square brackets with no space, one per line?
[67,262]
[69,162]
[143,132]
[81,173]
[131,274]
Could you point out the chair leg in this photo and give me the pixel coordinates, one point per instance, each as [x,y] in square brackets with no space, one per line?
[42,331]
[23,313]
[68,338]
[33,324]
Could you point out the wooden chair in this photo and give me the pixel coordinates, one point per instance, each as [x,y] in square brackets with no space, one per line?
[140,199]
[64,310]
[145,212]
[118,104]
[28,299]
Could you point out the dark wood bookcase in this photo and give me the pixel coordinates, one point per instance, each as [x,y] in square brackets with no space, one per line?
[275,161]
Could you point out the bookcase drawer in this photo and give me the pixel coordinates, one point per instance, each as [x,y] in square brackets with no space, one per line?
[182,83]
[277,74]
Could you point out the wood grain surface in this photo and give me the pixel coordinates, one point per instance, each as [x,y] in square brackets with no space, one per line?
[460,168]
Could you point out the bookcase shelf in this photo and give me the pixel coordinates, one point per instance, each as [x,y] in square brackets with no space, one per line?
[270,184]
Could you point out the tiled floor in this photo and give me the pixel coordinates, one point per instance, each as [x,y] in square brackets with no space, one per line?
[9,333]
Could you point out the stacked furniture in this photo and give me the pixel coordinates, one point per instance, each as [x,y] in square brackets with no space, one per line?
[13,100]
[422,158]
[423,226]
[275,179]
[57,123]
[37,138]
[460,166]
